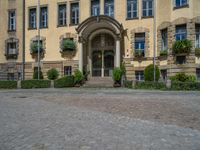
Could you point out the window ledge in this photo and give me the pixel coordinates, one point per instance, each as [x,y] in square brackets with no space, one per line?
[11,31]
[44,27]
[147,17]
[73,24]
[32,28]
[134,18]
[58,26]
[179,7]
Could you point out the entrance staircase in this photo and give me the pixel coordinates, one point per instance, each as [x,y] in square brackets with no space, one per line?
[99,82]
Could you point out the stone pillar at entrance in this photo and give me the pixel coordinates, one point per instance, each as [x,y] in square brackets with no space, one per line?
[118,53]
[81,56]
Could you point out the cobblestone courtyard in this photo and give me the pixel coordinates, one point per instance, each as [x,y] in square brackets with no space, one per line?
[99,119]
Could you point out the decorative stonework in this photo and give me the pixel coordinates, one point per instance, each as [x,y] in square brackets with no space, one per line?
[141,30]
[43,39]
[68,54]
[16,51]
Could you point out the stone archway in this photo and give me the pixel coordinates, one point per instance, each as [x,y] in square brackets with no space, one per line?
[91,28]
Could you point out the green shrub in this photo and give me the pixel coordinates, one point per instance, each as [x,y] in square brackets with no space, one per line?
[197,52]
[78,77]
[149,73]
[150,85]
[29,84]
[66,81]
[123,68]
[128,84]
[117,74]
[139,53]
[182,46]
[35,74]
[34,47]
[190,86]
[182,77]
[8,84]
[52,74]
[68,44]
[163,53]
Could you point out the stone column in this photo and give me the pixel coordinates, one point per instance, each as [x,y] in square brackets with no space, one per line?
[117,53]
[81,56]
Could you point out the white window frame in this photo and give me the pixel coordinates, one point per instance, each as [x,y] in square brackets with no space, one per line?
[109,5]
[140,75]
[94,9]
[197,41]
[32,23]
[64,15]
[75,10]
[44,17]
[12,20]
[132,11]
[147,8]
[163,46]
[181,3]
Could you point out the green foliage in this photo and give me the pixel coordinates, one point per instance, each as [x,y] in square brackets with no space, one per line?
[8,84]
[29,84]
[123,68]
[150,85]
[35,74]
[182,77]
[128,84]
[52,74]
[182,46]
[189,86]
[67,81]
[34,47]
[139,53]
[197,52]
[117,74]
[78,77]
[149,73]
[163,53]
[68,44]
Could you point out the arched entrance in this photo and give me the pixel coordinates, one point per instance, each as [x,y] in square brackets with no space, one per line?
[103,47]
[99,46]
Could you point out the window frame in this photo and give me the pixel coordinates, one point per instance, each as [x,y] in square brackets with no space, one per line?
[41,15]
[64,17]
[112,14]
[140,42]
[164,42]
[197,36]
[198,73]
[181,34]
[98,6]
[76,18]
[147,9]
[29,19]
[141,75]
[132,11]
[183,61]
[67,70]
[12,27]
[181,4]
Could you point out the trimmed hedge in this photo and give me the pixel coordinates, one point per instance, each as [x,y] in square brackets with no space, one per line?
[67,81]
[149,73]
[8,84]
[29,84]
[150,85]
[128,84]
[186,86]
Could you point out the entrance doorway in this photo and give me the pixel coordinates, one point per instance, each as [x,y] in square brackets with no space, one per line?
[103,55]
[102,63]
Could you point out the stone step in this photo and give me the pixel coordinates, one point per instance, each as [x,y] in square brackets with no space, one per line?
[99,82]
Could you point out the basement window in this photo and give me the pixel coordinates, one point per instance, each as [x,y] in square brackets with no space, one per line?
[180,59]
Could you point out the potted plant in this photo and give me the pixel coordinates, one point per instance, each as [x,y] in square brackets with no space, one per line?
[68,45]
[34,47]
[117,75]
[182,47]
[78,78]
[163,53]
[139,53]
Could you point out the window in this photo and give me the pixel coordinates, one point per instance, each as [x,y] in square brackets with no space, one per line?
[32,18]
[67,70]
[43,17]
[131,9]
[95,8]
[62,16]
[180,59]
[12,48]
[139,75]
[11,20]
[197,36]
[147,8]
[10,76]
[140,43]
[181,32]
[164,74]
[180,3]
[109,8]
[198,73]
[75,13]
[164,39]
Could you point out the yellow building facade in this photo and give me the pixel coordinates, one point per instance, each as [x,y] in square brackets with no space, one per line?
[97,35]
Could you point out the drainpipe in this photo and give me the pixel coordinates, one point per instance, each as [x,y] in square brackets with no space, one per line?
[154,45]
[23,41]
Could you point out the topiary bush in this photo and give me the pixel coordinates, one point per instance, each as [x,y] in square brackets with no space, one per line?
[149,73]
[182,77]
[35,74]
[117,74]
[78,77]
[52,74]
[182,46]
[128,84]
[67,81]
[150,85]
[8,84]
[29,84]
